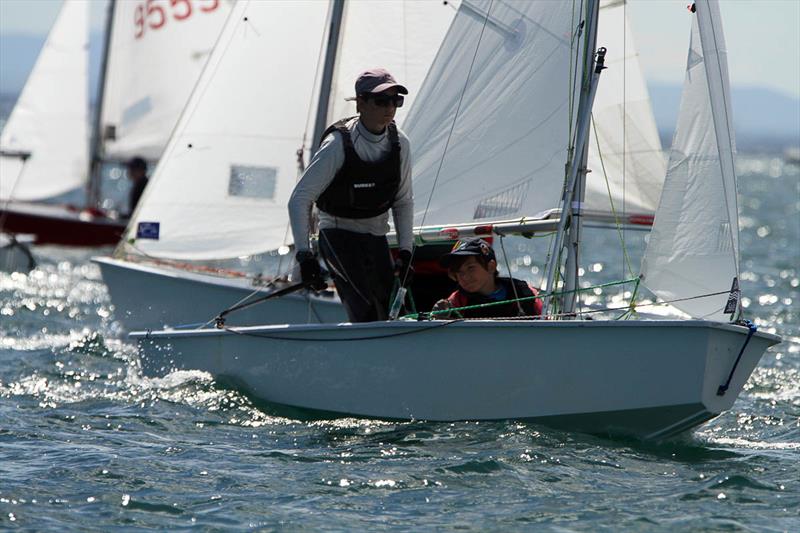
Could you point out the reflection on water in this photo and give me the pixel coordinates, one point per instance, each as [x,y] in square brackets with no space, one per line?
[109,446]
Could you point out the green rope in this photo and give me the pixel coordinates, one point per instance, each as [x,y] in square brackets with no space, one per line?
[611,202]
[524,299]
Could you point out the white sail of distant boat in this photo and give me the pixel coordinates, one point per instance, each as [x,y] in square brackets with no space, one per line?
[649,378]
[222,188]
[626,164]
[44,147]
[155,57]
[694,245]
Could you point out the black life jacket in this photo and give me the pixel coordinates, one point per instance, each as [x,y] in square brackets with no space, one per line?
[362,189]
[507,309]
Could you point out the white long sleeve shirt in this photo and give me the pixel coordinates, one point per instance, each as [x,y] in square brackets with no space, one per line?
[323,168]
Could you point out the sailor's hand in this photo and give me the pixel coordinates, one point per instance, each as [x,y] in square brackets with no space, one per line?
[310,271]
[403,268]
[442,305]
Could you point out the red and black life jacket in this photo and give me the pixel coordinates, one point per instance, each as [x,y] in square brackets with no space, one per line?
[532,307]
[362,189]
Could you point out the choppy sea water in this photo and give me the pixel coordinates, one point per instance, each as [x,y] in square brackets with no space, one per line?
[88,443]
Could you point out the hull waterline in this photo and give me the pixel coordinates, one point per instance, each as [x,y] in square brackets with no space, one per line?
[152,297]
[642,378]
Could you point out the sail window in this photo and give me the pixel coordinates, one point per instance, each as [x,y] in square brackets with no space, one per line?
[253,182]
[504,203]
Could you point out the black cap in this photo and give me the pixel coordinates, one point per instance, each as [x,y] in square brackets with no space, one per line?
[475,247]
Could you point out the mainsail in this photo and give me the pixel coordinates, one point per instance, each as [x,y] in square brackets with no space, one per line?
[493,120]
[44,147]
[694,245]
[157,52]
[400,36]
[222,187]
[505,157]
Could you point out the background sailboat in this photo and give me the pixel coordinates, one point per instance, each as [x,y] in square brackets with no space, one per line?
[222,187]
[648,378]
[153,59]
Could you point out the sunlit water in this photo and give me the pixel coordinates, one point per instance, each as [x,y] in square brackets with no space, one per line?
[87,442]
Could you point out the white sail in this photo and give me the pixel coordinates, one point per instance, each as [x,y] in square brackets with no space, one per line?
[222,187]
[694,245]
[157,52]
[44,147]
[226,196]
[492,122]
[625,154]
[400,36]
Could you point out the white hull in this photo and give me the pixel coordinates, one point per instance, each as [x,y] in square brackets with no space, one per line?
[650,379]
[149,297]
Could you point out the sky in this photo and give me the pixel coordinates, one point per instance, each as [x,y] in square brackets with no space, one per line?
[763,36]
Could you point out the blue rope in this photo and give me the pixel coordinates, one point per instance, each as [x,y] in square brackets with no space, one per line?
[724,388]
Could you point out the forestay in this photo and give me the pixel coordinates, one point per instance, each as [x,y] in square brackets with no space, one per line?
[625,156]
[400,36]
[157,52]
[222,187]
[694,244]
[49,123]
[492,123]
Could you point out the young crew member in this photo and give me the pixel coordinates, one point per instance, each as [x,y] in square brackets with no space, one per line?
[473,265]
[361,171]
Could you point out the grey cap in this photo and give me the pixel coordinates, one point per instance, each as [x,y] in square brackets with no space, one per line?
[376,80]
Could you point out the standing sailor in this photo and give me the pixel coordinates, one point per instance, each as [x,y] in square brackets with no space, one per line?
[362,169]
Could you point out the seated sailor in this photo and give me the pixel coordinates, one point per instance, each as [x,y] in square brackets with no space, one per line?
[473,265]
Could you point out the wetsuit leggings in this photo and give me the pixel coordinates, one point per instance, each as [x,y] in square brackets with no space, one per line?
[362,270]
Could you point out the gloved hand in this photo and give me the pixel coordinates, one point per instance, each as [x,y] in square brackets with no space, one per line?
[403,268]
[442,305]
[310,272]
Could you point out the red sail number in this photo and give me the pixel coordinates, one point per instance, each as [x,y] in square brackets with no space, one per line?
[154,15]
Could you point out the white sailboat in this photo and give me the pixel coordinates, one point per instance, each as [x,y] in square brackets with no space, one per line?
[151,282]
[222,187]
[651,378]
[152,59]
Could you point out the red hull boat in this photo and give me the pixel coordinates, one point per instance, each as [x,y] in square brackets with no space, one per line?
[61,224]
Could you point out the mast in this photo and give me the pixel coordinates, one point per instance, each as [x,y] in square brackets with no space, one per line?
[574,187]
[332,49]
[95,164]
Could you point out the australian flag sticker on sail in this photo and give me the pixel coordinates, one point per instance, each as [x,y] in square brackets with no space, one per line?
[148,230]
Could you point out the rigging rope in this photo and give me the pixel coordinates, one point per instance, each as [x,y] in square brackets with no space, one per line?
[452,128]
[523,299]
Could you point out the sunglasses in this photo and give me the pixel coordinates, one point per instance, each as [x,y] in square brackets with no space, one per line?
[384,100]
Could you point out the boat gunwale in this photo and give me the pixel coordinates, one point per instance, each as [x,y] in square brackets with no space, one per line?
[187,275]
[422,326]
